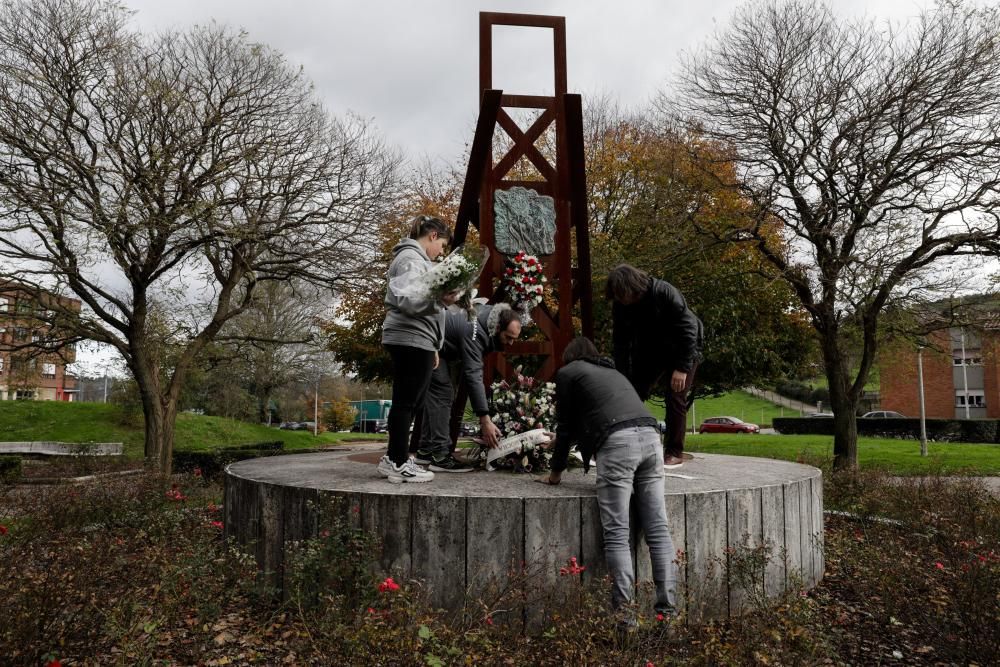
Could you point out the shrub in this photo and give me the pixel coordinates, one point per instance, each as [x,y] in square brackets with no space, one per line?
[10,468]
[340,415]
[795,390]
[940,430]
[213,462]
[153,562]
[924,555]
[266,445]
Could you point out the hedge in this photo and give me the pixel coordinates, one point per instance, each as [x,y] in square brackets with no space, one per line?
[802,392]
[939,430]
[213,462]
[10,468]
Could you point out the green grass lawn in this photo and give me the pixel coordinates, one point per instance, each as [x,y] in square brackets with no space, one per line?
[900,457]
[97,422]
[734,404]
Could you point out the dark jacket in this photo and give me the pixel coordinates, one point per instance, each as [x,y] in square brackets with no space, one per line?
[658,332]
[593,400]
[469,343]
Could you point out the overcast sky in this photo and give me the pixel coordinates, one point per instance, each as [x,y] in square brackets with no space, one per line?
[411,66]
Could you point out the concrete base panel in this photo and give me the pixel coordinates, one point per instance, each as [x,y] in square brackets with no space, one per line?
[466,535]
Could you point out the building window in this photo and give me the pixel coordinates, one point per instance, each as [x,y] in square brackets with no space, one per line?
[49,371]
[20,366]
[1,365]
[24,395]
[20,333]
[972,358]
[974,398]
[4,304]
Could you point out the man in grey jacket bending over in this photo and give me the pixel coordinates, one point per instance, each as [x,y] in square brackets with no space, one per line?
[466,344]
[598,409]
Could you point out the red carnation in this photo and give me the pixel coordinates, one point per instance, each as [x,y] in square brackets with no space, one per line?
[388,585]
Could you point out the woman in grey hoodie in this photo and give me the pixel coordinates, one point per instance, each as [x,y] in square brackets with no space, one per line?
[412,333]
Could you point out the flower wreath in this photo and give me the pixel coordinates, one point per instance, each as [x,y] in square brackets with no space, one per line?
[526,281]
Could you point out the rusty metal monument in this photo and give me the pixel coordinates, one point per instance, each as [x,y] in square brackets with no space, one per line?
[489,184]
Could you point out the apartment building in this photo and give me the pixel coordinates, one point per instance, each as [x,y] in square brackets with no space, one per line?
[961,374]
[33,352]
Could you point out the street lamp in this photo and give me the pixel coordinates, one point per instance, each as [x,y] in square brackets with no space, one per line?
[316,404]
[105,367]
[923,411]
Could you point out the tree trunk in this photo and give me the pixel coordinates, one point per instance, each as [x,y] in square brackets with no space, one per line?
[843,402]
[845,432]
[264,406]
[159,412]
[160,423]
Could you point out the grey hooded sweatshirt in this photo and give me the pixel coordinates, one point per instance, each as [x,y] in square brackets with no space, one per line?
[409,321]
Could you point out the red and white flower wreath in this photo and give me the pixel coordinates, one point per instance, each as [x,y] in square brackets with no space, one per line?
[526,281]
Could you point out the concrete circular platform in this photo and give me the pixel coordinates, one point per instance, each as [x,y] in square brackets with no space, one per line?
[463,530]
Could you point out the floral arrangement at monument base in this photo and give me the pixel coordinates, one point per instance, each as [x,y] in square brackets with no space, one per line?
[524,410]
[457,272]
[525,281]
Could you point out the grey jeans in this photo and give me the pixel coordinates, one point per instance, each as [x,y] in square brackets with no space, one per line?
[435,436]
[630,465]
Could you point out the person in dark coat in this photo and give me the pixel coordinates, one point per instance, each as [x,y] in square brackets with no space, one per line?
[599,410]
[466,344]
[655,335]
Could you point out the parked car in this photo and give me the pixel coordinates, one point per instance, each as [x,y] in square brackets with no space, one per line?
[372,426]
[727,425]
[289,426]
[468,429]
[883,414]
[821,414]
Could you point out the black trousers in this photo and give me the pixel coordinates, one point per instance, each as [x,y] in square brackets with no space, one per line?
[411,375]
[676,403]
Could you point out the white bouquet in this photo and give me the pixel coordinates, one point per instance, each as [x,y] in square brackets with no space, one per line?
[458,272]
[523,407]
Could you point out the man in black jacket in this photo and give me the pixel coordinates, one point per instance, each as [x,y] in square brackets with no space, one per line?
[655,333]
[466,344]
[597,409]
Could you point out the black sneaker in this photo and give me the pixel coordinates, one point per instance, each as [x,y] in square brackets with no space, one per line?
[449,464]
[423,457]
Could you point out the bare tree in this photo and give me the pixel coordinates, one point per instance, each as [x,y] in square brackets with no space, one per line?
[276,341]
[876,148]
[180,172]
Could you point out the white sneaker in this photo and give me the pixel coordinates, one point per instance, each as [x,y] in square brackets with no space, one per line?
[385,466]
[409,472]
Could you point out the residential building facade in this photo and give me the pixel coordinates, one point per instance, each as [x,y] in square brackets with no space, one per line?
[33,357]
[961,375]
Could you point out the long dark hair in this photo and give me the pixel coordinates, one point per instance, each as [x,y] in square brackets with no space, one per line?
[580,347]
[425,224]
[626,283]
